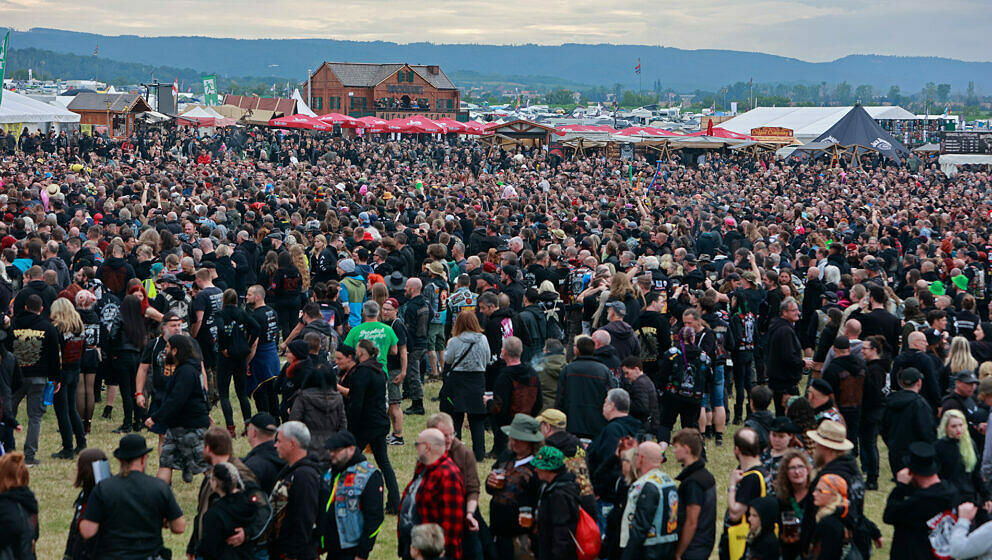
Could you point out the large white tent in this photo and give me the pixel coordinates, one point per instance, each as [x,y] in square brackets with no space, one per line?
[807,123]
[18,110]
[301,106]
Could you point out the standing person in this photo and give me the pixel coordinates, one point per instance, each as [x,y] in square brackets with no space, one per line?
[877,368]
[320,406]
[36,346]
[784,360]
[128,511]
[96,337]
[469,467]
[436,494]
[697,497]
[294,498]
[834,526]
[285,289]
[467,356]
[907,418]
[263,361]
[653,333]
[18,509]
[396,368]
[128,343]
[846,375]
[366,411]
[184,412]
[685,374]
[436,294]
[582,387]
[643,395]
[10,375]
[604,466]
[747,483]
[514,486]
[203,324]
[517,391]
[792,488]
[918,496]
[234,328]
[958,459]
[416,314]
[649,526]
[70,326]
[353,515]
[381,334]
[263,459]
[743,326]
[557,507]
[77,548]
[154,364]
[232,508]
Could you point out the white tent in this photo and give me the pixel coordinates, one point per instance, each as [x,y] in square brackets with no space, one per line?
[807,123]
[301,105]
[201,113]
[17,108]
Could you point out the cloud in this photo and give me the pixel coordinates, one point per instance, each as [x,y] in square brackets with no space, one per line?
[814,30]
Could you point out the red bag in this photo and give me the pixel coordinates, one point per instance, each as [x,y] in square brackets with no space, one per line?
[587,539]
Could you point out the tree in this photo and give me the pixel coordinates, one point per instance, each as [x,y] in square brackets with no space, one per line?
[864,93]
[943,92]
[843,93]
[971,99]
[560,97]
[893,95]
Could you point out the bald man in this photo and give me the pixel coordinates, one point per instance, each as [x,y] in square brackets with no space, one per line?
[416,314]
[653,489]
[917,356]
[436,495]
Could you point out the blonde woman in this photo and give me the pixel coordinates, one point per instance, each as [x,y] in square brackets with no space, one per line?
[959,360]
[66,319]
[958,459]
[302,264]
[834,526]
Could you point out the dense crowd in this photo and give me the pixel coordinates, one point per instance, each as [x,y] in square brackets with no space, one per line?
[595,326]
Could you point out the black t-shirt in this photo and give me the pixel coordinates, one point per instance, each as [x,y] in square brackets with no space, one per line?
[268,324]
[749,487]
[130,511]
[210,301]
[158,370]
[393,360]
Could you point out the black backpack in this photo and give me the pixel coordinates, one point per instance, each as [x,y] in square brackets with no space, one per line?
[233,337]
[690,378]
[257,530]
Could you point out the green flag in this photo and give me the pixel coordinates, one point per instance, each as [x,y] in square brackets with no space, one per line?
[3,62]
[210,90]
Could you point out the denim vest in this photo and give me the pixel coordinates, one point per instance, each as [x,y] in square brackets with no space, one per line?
[664,526]
[346,495]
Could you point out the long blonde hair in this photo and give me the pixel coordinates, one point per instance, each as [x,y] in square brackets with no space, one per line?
[65,317]
[959,358]
[965,446]
[300,261]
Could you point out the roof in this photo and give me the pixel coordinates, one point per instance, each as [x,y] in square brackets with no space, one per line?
[17,108]
[119,102]
[361,74]
[275,104]
[807,122]
[520,126]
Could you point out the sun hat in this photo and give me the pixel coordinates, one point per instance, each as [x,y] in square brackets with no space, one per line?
[832,435]
[553,417]
[524,428]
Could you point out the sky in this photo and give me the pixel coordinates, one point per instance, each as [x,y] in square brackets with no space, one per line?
[812,30]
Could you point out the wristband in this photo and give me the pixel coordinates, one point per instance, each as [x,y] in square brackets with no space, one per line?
[138,394]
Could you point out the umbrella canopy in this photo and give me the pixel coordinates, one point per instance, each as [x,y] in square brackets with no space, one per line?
[857,128]
[300,121]
[587,128]
[342,120]
[647,131]
[717,132]
[453,126]
[413,125]
[476,127]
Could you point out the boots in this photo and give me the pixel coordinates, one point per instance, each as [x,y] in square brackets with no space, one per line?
[108,411]
[233,431]
[416,408]
[86,426]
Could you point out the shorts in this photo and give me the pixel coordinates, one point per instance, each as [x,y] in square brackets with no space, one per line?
[182,450]
[394,391]
[153,407]
[435,337]
[716,388]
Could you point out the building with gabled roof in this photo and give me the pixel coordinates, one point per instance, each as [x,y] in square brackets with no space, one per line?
[387,91]
[116,111]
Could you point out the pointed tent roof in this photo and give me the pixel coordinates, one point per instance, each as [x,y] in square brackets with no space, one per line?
[858,129]
[301,106]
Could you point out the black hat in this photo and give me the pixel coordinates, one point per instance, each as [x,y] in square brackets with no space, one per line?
[831,297]
[168,278]
[489,278]
[690,258]
[842,343]
[966,377]
[340,439]
[300,348]
[821,386]
[532,294]
[264,421]
[909,376]
[784,424]
[933,336]
[922,459]
[131,447]
[510,271]
[396,281]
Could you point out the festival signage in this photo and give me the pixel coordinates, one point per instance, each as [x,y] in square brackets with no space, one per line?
[966,143]
[210,90]
[776,131]
[3,61]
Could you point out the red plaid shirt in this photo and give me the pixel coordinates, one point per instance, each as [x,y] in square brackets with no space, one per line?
[441,500]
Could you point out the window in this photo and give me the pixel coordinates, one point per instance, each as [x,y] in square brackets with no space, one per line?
[410,76]
[319,102]
[333,103]
[358,103]
[400,75]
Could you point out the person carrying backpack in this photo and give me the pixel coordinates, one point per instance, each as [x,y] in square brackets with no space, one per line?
[685,374]
[535,323]
[558,511]
[743,326]
[233,327]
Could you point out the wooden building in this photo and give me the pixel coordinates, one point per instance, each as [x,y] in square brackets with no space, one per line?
[260,110]
[115,111]
[386,91]
[520,133]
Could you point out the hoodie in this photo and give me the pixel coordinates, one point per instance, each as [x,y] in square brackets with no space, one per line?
[37,347]
[607,355]
[784,361]
[548,368]
[907,418]
[220,521]
[295,511]
[623,339]
[34,287]
[323,412]
[604,466]
[19,514]
[908,509]
[764,545]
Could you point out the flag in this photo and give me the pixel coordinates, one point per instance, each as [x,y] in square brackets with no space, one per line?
[210,90]
[3,61]
[175,88]
[637,69]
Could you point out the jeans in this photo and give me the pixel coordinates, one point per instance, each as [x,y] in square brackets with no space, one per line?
[779,398]
[266,399]
[477,426]
[413,385]
[871,421]
[715,396]
[379,451]
[744,378]
[34,389]
[671,408]
[226,370]
[70,424]
[125,370]
[852,419]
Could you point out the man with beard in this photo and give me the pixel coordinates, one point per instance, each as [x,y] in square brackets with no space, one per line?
[153,361]
[353,512]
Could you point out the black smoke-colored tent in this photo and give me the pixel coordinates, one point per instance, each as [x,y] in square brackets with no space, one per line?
[857,130]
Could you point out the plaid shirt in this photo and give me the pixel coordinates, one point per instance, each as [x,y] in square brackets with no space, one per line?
[441,500]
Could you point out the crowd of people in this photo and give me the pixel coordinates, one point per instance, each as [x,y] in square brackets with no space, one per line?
[595,327]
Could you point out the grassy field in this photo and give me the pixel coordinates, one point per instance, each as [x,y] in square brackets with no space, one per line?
[52,480]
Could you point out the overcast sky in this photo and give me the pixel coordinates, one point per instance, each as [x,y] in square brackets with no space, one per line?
[812,30]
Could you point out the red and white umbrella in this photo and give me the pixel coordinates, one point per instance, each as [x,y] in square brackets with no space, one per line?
[344,121]
[717,132]
[413,125]
[300,121]
[646,131]
[373,124]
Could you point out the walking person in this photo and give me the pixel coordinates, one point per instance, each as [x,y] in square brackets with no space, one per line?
[77,548]
[466,358]
[96,338]
[70,326]
[37,347]
[234,326]
[353,513]
[263,361]
[128,343]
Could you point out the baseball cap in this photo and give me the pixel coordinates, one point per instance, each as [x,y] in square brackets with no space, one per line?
[553,417]
[264,421]
[618,307]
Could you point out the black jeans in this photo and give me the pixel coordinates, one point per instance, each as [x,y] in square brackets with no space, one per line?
[125,370]
[852,419]
[226,370]
[70,424]
[266,399]
[744,378]
[871,421]
[778,395]
[671,408]
[379,451]
[477,426]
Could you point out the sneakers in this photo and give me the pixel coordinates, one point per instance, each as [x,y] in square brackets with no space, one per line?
[107,412]
[393,439]
[31,462]
[64,454]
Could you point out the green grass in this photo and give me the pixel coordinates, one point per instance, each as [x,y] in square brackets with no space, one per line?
[52,480]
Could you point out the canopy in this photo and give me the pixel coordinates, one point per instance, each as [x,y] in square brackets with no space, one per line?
[646,131]
[413,125]
[342,120]
[300,121]
[17,108]
[807,123]
[587,128]
[301,106]
[717,132]
[373,124]
[857,129]
[477,127]
[454,127]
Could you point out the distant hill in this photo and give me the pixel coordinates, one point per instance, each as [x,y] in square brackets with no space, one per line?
[601,65]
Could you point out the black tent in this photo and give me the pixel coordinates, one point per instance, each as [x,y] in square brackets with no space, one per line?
[857,130]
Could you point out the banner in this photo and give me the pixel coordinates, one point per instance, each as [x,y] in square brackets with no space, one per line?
[210,90]
[3,61]
[733,108]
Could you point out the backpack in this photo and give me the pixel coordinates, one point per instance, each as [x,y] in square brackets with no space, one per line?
[749,326]
[257,530]
[234,338]
[529,280]
[576,283]
[586,537]
[114,279]
[453,271]
[648,337]
[578,466]
[852,388]
[690,378]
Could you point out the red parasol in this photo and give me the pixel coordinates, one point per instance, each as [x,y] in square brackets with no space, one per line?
[300,121]
[646,131]
[413,125]
[717,132]
[344,121]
